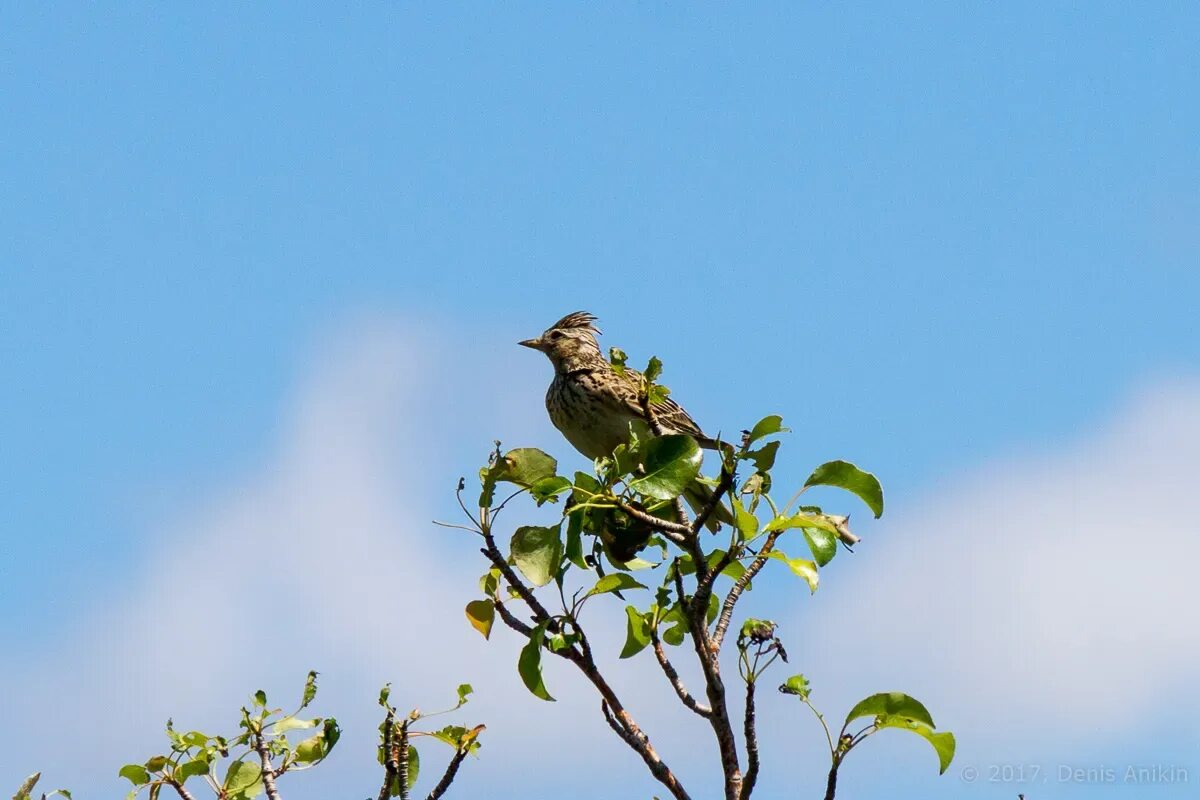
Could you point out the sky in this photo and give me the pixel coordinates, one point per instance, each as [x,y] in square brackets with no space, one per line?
[264,270]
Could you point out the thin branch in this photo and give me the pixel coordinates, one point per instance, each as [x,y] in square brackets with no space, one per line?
[449,775]
[389,756]
[672,530]
[725,484]
[184,794]
[739,586]
[402,761]
[510,620]
[831,782]
[751,731]
[673,676]
[268,772]
[581,657]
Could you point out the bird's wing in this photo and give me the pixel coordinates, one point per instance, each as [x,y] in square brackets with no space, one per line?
[670,415]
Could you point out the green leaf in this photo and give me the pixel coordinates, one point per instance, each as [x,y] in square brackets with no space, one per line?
[653,369]
[194,739]
[414,766]
[942,743]
[384,694]
[671,463]
[614,582]
[799,566]
[529,664]
[549,489]
[822,543]
[802,519]
[617,357]
[764,457]
[747,523]
[291,723]
[797,685]
[156,763]
[191,769]
[574,548]
[489,581]
[890,704]
[481,614]
[318,746]
[637,633]
[845,475]
[537,552]
[310,689]
[27,786]
[243,780]
[464,691]
[525,466]
[765,427]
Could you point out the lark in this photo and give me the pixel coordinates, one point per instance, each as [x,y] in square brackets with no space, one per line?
[595,406]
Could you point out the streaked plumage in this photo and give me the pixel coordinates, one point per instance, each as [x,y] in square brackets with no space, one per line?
[594,405]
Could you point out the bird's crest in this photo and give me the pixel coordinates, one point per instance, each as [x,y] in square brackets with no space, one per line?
[577,319]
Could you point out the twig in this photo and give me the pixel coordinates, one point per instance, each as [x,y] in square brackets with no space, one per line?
[402,761]
[184,794]
[389,756]
[674,531]
[449,775]
[723,486]
[673,676]
[268,772]
[831,782]
[751,732]
[581,657]
[739,586]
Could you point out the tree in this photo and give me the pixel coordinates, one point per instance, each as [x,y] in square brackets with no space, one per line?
[631,504]
[628,506]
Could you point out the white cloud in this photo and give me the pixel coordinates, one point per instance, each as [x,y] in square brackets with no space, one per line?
[1047,596]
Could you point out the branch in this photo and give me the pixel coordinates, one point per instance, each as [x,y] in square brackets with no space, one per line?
[674,531]
[448,776]
[739,586]
[725,484]
[751,732]
[268,772]
[696,609]
[498,561]
[402,761]
[831,783]
[581,657]
[184,794]
[673,676]
[389,756]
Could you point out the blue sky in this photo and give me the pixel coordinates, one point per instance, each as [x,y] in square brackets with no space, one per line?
[934,239]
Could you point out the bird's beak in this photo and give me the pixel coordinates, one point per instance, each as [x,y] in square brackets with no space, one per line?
[535,344]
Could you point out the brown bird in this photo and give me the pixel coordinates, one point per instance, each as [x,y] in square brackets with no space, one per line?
[595,405]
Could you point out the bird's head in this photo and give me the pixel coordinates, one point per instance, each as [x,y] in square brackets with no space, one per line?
[570,343]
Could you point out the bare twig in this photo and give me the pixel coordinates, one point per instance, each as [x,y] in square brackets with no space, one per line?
[581,657]
[751,733]
[673,676]
[268,772]
[184,794]
[449,775]
[402,761]
[739,586]
[389,756]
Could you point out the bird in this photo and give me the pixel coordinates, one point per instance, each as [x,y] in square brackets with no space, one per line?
[595,406]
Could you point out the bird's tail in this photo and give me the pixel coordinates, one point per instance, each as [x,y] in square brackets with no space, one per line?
[698,497]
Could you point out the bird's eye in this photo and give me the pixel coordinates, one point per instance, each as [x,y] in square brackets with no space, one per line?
[556,334]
